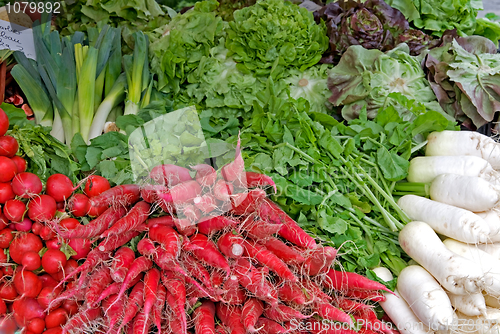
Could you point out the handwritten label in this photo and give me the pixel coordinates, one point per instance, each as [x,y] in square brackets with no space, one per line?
[17,38]
[310,6]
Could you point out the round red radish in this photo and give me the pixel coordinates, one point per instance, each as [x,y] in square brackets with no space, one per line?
[24,243]
[71,306]
[53,261]
[26,185]
[36,325]
[8,271]
[53,243]
[7,325]
[59,186]
[8,169]
[69,223]
[14,210]
[81,247]
[4,122]
[6,236]
[70,266]
[6,192]
[27,284]
[46,233]
[61,206]
[8,146]
[4,222]
[47,295]
[56,318]
[24,226]
[3,307]
[20,163]
[3,257]
[96,185]
[36,228]
[48,281]
[26,309]
[8,292]
[55,330]
[42,208]
[79,205]
[31,261]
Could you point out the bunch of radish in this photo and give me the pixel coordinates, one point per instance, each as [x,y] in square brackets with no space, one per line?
[157,267]
[454,237]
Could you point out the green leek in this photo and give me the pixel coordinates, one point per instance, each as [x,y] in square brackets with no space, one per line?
[135,68]
[86,90]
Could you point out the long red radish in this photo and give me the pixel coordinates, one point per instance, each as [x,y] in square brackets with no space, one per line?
[231,317]
[233,294]
[231,245]
[215,224]
[115,312]
[135,217]
[151,281]
[249,202]
[114,288]
[350,305]
[125,195]
[196,269]
[134,303]
[260,230]
[235,169]
[205,250]
[204,315]
[99,281]
[319,260]
[146,247]
[96,226]
[169,175]
[163,220]
[205,203]
[169,240]
[159,305]
[182,193]
[223,190]
[122,260]
[282,313]
[259,180]
[283,251]
[344,280]
[374,296]
[267,326]
[111,243]
[290,230]
[176,297]
[142,323]
[82,319]
[149,192]
[330,312]
[255,282]
[205,175]
[291,293]
[251,312]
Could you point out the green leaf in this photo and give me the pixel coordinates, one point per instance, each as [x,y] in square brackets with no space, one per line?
[67,250]
[394,167]
[331,145]
[334,225]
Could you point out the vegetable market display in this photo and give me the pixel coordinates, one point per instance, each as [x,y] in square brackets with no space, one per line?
[252,166]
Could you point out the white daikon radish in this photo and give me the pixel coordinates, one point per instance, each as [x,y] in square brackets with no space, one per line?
[467,192]
[456,274]
[463,143]
[491,301]
[426,298]
[398,310]
[492,218]
[448,220]
[489,265]
[469,304]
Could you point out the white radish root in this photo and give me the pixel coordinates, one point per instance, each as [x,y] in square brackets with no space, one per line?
[463,143]
[453,222]
[492,218]
[467,192]
[398,310]
[426,298]
[470,304]
[426,169]
[455,273]
[491,301]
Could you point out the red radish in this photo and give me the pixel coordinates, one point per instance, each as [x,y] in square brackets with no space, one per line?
[246,203]
[8,292]
[205,250]
[169,175]
[344,281]
[151,281]
[206,203]
[291,293]
[146,247]
[78,205]
[185,227]
[283,251]
[176,298]
[112,243]
[196,269]
[3,308]
[55,330]
[36,228]
[53,261]
[47,295]
[231,317]
[20,163]
[182,193]
[26,309]
[142,323]
[115,287]
[122,260]
[69,224]
[96,226]
[8,271]
[8,146]
[71,307]
[96,211]
[158,307]
[223,190]
[36,325]
[81,246]
[96,185]
[267,326]
[24,226]
[6,192]
[4,222]
[54,244]
[81,319]
[26,185]
[59,187]
[115,311]
[4,122]
[3,257]
[42,208]
[282,313]
[163,220]
[235,169]
[192,213]
[233,292]
[364,295]
[259,180]
[290,230]
[251,312]
[330,312]
[205,175]
[56,318]
[231,245]
[24,243]
[134,303]
[135,217]
[99,280]
[149,192]
[8,169]
[260,230]
[7,325]
[48,281]
[125,195]
[167,238]
[31,261]
[254,281]
[204,322]
[216,224]
[319,260]
[6,236]
[349,305]
[46,233]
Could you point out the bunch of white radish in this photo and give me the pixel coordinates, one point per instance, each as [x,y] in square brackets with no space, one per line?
[454,237]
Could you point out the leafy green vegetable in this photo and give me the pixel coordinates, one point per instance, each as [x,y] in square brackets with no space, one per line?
[273,35]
